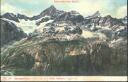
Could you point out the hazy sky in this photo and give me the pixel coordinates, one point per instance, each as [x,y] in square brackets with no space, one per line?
[116,8]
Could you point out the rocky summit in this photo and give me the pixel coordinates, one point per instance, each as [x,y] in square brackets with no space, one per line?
[58,42]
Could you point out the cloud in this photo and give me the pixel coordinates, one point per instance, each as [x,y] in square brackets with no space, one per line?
[9,8]
[115,8]
[27,7]
[30,1]
[87,7]
[122,12]
[13,9]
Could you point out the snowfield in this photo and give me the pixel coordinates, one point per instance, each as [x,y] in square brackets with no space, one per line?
[28,26]
[89,34]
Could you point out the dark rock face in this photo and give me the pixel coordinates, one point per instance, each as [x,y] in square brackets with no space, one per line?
[108,20]
[20,16]
[9,32]
[51,11]
[75,30]
[43,20]
[14,17]
[125,20]
[122,32]
[10,16]
[105,21]
[68,16]
[66,30]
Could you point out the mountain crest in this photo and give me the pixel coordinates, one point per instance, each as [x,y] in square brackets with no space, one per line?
[52,7]
[96,14]
[74,13]
[10,16]
[49,11]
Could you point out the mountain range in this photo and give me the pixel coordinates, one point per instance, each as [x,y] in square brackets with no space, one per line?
[29,42]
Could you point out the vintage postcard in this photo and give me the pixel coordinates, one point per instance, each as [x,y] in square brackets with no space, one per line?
[63,40]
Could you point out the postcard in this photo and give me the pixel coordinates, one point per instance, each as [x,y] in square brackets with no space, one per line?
[63,40]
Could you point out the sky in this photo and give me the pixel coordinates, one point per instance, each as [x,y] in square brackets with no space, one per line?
[115,8]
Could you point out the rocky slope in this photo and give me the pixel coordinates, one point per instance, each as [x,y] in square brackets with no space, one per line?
[10,32]
[50,56]
[63,43]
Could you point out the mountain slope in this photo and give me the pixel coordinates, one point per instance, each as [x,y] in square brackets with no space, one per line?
[9,32]
[51,11]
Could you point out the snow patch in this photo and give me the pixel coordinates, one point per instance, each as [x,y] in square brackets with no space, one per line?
[89,34]
[42,18]
[121,28]
[27,26]
[10,21]
[42,25]
[60,29]
[105,27]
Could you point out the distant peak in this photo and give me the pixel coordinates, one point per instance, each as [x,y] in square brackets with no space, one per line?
[109,16]
[8,13]
[74,12]
[96,14]
[50,11]
[52,7]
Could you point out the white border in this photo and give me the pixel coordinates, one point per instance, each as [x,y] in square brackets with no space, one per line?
[63,78]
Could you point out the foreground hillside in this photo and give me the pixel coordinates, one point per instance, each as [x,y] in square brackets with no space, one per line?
[50,56]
